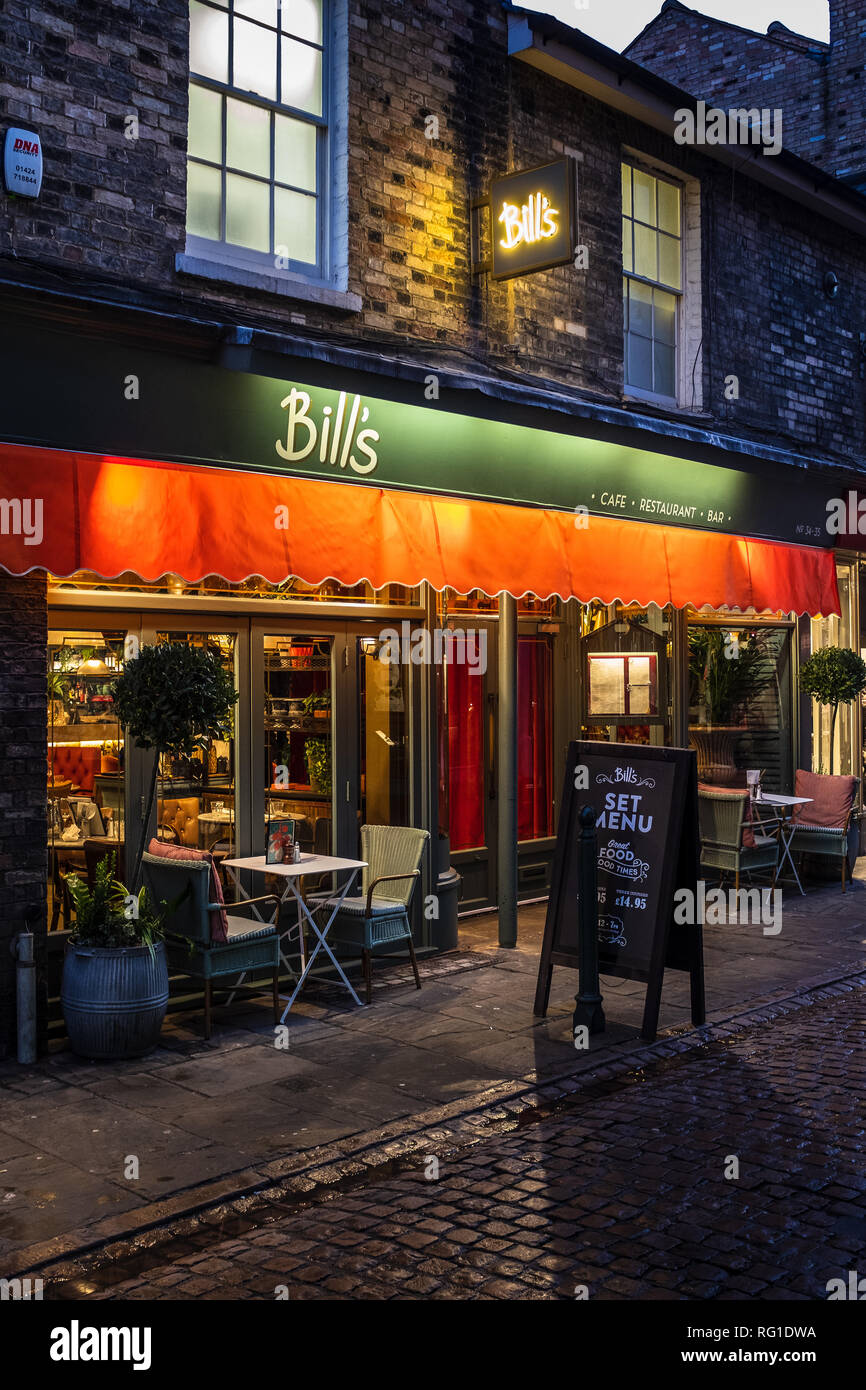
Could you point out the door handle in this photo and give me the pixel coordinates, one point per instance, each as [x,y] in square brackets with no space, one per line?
[491,746]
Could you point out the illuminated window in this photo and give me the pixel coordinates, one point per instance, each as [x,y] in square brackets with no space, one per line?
[258,133]
[652,258]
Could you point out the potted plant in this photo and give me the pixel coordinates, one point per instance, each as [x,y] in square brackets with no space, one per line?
[833,676]
[318,758]
[318,706]
[58,693]
[173,698]
[723,677]
[115,975]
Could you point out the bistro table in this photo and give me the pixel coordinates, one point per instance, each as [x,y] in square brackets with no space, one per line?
[293,873]
[785,806]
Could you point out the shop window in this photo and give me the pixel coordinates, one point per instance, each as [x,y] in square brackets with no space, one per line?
[85,772]
[740,702]
[259,129]
[652,251]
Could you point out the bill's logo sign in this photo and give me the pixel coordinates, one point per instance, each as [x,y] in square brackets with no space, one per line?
[531,218]
[536,219]
[327,435]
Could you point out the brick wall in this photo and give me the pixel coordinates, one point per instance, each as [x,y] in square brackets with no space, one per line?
[847,81]
[820,89]
[22,785]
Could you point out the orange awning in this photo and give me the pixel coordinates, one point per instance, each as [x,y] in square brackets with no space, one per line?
[112,515]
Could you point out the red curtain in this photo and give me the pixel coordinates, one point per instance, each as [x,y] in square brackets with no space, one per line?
[466,755]
[534,737]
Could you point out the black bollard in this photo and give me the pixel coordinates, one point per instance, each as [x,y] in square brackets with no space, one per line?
[588,1012]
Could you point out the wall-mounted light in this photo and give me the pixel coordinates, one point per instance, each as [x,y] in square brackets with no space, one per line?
[831,284]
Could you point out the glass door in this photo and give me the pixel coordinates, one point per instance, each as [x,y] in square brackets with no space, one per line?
[296,767]
[384,723]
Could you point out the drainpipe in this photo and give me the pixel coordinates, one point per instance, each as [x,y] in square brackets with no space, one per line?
[507,772]
[25,987]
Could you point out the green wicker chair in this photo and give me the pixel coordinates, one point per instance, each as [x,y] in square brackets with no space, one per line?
[724,820]
[827,840]
[252,946]
[393,856]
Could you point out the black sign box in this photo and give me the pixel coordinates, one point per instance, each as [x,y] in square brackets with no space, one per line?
[531,217]
[646,805]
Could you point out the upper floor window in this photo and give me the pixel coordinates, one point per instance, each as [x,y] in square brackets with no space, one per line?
[652,257]
[258,133]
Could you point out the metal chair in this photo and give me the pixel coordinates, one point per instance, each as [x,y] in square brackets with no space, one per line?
[251,946]
[811,837]
[369,920]
[725,825]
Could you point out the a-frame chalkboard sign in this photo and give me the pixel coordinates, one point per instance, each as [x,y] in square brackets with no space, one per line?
[646,805]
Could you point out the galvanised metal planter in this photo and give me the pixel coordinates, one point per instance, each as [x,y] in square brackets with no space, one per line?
[114,1001]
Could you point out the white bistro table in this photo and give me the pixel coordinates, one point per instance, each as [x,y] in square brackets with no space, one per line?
[785,806]
[293,873]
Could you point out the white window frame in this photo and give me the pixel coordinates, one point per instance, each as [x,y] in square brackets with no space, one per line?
[689,343]
[327,280]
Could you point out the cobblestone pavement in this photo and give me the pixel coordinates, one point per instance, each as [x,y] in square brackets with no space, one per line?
[623,1190]
[235,1112]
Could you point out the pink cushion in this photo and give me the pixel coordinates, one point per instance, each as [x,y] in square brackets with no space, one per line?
[832,798]
[748,837]
[219,926]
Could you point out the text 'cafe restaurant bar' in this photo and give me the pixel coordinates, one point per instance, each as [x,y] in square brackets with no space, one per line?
[294,514]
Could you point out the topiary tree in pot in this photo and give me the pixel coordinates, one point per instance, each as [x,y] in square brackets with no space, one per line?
[833,676]
[173,698]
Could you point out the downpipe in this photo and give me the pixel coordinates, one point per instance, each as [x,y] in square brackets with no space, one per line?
[25,990]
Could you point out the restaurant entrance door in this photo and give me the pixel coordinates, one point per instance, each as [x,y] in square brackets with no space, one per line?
[334,735]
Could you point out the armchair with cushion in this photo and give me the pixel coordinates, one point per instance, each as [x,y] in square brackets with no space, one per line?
[821,827]
[204,938]
[70,763]
[393,858]
[180,814]
[729,841]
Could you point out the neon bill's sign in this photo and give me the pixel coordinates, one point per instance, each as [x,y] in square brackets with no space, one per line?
[531,219]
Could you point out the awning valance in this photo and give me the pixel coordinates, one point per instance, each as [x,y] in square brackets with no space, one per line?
[113,515]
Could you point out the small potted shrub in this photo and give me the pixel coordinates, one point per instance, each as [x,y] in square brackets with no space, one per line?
[115,975]
[833,676]
[173,698]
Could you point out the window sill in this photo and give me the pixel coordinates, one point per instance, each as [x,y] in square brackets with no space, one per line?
[288,286]
[664,404]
